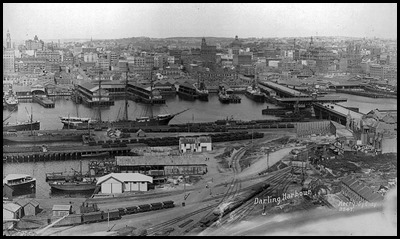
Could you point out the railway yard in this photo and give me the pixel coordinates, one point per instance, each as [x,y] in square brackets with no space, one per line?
[245,180]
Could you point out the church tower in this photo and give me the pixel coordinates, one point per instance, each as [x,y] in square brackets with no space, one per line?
[8,39]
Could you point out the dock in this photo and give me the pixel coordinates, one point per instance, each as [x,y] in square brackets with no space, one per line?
[43,101]
[61,153]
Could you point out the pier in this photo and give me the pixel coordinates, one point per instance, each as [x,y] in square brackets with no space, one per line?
[283,91]
[61,153]
[335,113]
[43,101]
[308,101]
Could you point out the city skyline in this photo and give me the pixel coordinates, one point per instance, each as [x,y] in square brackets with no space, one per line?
[83,21]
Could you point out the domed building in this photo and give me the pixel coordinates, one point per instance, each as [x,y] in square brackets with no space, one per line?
[236,45]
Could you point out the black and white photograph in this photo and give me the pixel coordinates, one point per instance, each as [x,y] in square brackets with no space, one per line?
[199,119]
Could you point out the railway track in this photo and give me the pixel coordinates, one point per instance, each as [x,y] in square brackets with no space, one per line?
[235,187]
[245,209]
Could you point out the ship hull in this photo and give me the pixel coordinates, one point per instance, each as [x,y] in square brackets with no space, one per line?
[255,97]
[134,123]
[224,100]
[73,186]
[202,97]
[23,126]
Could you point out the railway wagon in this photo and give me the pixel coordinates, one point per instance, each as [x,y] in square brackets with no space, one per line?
[113,214]
[208,220]
[131,210]
[144,208]
[92,217]
[156,206]
[168,204]
[122,211]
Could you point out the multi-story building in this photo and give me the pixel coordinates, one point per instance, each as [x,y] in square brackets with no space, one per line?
[8,60]
[34,44]
[208,54]
[103,63]
[31,65]
[376,71]
[90,57]
[52,67]
[176,53]
[242,59]
[51,56]
[214,78]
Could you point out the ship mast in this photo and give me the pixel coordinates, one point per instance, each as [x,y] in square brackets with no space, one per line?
[98,107]
[126,98]
[151,93]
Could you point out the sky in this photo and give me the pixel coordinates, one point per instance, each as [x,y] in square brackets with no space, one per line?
[160,20]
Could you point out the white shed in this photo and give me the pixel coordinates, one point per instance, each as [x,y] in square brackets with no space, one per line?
[124,182]
[12,211]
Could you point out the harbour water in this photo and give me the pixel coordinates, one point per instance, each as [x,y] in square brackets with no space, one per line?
[199,112]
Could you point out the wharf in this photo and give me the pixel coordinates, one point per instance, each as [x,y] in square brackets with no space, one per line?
[54,153]
[369,94]
[43,101]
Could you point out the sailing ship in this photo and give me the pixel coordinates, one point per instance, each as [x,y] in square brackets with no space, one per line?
[20,126]
[254,93]
[20,183]
[201,91]
[150,120]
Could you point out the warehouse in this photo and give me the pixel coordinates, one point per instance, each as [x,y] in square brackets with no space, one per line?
[124,182]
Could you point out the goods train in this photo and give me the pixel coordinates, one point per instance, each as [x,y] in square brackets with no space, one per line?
[114,214]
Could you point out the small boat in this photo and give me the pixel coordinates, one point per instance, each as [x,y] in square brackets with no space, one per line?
[20,183]
[75,121]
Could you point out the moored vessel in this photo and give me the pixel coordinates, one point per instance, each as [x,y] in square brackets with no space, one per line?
[20,183]
[254,93]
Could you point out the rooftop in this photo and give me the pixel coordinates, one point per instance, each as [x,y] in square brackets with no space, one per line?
[62,207]
[12,207]
[343,110]
[126,177]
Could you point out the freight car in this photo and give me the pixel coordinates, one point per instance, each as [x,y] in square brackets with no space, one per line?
[168,204]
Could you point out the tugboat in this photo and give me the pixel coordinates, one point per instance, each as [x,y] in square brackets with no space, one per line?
[254,93]
[201,91]
[223,96]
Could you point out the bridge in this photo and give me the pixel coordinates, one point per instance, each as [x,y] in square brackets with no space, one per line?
[283,91]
